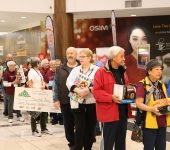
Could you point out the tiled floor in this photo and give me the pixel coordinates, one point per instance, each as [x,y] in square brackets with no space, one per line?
[18,137]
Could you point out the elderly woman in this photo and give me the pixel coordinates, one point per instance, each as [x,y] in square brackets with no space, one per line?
[108,105]
[80,84]
[149,90]
[35,80]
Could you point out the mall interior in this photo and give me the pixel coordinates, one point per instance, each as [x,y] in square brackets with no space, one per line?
[32,28]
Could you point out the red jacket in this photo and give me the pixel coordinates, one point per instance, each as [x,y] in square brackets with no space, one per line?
[107,110]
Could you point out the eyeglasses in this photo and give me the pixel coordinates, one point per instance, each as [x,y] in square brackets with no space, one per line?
[82,56]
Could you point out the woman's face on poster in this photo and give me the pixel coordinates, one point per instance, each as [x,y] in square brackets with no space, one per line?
[137,38]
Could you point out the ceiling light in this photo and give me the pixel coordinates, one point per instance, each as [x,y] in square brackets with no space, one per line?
[23,17]
[133,15]
[3,21]
[3,33]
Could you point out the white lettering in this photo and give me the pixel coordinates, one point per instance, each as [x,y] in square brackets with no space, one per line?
[99,28]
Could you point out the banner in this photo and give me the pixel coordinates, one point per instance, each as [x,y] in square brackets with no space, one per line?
[113,21]
[50,38]
[32,99]
[103,32]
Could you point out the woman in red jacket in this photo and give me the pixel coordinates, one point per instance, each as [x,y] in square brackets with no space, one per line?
[108,107]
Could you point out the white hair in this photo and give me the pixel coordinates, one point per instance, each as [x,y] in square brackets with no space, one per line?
[114,50]
[10,63]
[44,61]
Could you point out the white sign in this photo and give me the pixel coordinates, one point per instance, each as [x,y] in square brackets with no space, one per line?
[32,99]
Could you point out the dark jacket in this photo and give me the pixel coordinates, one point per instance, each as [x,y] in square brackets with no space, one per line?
[60,90]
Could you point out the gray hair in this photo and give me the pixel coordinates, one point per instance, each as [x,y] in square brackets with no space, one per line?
[114,50]
[52,62]
[44,61]
[34,61]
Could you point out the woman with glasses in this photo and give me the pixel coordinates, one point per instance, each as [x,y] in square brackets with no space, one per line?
[80,85]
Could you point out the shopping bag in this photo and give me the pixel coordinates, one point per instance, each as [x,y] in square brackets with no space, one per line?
[137,133]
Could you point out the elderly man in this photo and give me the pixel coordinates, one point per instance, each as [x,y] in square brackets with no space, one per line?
[61,93]
[9,57]
[11,80]
[109,109]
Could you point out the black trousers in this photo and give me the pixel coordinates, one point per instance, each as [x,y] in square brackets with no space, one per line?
[85,124]
[43,120]
[154,138]
[68,121]
[114,134]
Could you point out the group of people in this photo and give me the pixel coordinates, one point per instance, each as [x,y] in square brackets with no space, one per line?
[84,93]
[37,74]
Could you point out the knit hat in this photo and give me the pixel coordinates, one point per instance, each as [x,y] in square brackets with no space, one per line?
[153,63]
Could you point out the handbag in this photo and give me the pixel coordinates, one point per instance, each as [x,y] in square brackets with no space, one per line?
[137,133]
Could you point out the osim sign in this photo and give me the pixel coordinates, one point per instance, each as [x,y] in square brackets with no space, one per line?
[99,28]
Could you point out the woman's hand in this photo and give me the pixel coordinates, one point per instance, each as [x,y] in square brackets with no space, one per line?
[82,92]
[155,111]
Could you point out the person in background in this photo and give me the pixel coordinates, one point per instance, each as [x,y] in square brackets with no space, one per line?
[9,57]
[154,123]
[137,36]
[11,79]
[54,66]
[1,73]
[61,98]
[1,70]
[97,62]
[44,68]
[27,67]
[80,84]
[109,109]
[35,80]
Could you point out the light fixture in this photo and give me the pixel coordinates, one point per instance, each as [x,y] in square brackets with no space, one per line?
[133,15]
[3,33]
[23,17]
[2,21]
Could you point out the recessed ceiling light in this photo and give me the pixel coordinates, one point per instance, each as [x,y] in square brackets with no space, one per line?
[133,15]
[23,17]
[3,21]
